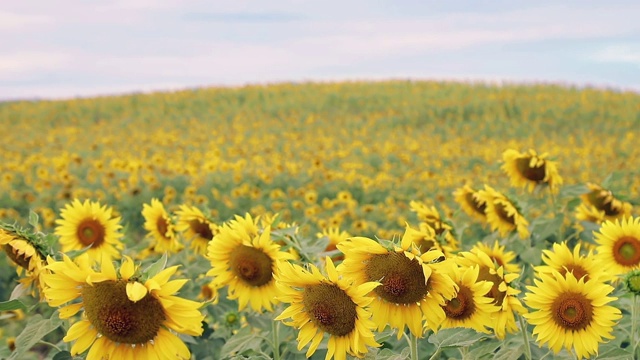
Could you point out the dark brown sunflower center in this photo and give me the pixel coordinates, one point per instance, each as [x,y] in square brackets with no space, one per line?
[462,306]
[578,271]
[330,309]
[501,211]
[21,260]
[476,205]
[494,293]
[536,174]
[162,226]
[201,228]
[121,320]
[626,251]
[91,232]
[402,279]
[603,200]
[425,244]
[572,311]
[252,265]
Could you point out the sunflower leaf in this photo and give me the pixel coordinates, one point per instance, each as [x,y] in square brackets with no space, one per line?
[37,328]
[153,269]
[240,342]
[63,355]
[15,304]
[455,337]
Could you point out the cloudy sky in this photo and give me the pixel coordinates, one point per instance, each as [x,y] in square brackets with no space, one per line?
[67,48]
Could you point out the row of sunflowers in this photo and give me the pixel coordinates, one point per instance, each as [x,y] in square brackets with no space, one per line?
[339,294]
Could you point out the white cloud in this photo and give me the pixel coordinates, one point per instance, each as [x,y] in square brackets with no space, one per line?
[15,65]
[16,21]
[620,53]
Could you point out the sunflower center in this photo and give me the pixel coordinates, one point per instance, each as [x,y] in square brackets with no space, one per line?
[402,279]
[494,293]
[501,211]
[162,226]
[20,259]
[536,174]
[578,271]
[462,306]
[603,200]
[572,311]
[476,205]
[425,245]
[201,228]
[626,251]
[330,308]
[121,320]
[252,265]
[91,232]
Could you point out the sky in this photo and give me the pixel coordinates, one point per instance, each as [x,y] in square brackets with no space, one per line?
[71,48]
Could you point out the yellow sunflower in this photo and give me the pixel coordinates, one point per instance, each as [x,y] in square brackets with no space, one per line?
[160,227]
[124,316]
[563,260]
[245,259]
[502,214]
[87,224]
[589,213]
[27,252]
[498,254]
[329,305]
[195,227]
[471,203]
[619,245]
[504,296]
[335,237]
[604,200]
[424,238]
[413,285]
[469,308]
[571,313]
[529,170]
[432,217]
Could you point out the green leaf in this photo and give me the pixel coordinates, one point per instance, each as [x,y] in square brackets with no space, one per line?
[33,219]
[19,291]
[509,352]
[156,267]
[14,304]
[37,328]
[455,337]
[570,191]
[615,354]
[63,355]
[245,339]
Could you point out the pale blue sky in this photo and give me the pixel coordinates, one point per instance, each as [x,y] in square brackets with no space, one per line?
[67,48]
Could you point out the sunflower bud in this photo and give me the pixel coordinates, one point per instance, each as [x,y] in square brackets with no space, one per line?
[632,282]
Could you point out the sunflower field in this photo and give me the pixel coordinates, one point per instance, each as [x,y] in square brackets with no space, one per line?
[376,220]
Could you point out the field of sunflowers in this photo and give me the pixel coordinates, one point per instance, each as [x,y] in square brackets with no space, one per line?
[376,220]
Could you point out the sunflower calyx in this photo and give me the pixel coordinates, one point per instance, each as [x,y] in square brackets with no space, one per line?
[632,282]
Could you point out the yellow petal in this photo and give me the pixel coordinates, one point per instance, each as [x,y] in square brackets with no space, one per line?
[127,269]
[136,291]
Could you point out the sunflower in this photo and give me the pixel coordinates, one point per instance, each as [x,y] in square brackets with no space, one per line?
[504,296]
[469,308]
[329,305]
[571,313]
[563,260]
[498,254]
[88,224]
[471,203]
[589,213]
[124,316]
[604,200]
[160,227]
[27,251]
[432,217]
[245,259]
[529,170]
[424,238]
[619,245]
[502,214]
[335,237]
[413,285]
[195,227]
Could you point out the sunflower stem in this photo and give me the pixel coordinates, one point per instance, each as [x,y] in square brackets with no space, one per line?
[525,337]
[413,345]
[275,339]
[634,324]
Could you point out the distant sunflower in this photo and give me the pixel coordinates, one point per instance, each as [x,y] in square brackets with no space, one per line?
[424,238]
[413,286]
[563,260]
[571,313]
[245,259]
[335,237]
[27,252]
[195,227]
[432,217]
[89,224]
[469,308]
[589,213]
[160,227]
[604,200]
[329,305]
[529,170]
[619,245]
[504,296]
[471,203]
[502,214]
[498,254]
[123,317]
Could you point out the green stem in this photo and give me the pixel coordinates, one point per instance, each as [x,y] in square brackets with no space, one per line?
[525,337]
[413,346]
[50,344]
[435,354]
[275,339]
[634,324]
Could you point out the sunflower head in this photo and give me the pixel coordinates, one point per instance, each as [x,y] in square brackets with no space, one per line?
[27,250]
[604,201]
[195,227]
[530,170]
[503,215]
[470,202]
[160,227]
[632,282]
[619,245]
